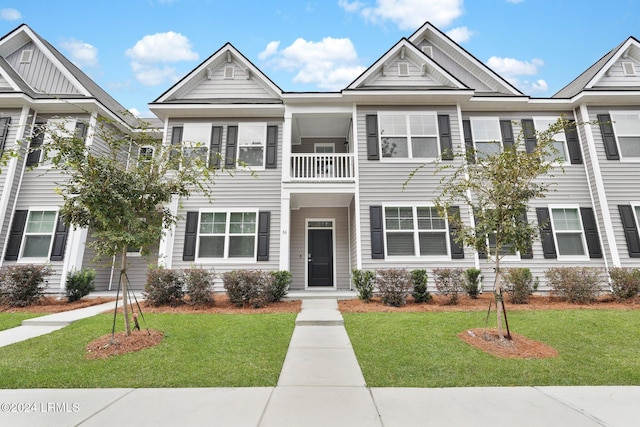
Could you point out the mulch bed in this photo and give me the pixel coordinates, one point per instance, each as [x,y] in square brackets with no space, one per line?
[519,346]
[49,305]
[107,346]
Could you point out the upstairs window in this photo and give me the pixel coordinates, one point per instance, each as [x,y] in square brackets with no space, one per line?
[409,135]
[486,136]
[627,131]
[559,139]
[251,143]
[196,138]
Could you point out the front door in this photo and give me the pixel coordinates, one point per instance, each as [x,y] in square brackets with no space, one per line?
[320,245]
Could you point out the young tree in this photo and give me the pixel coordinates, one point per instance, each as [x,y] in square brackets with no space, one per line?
[498,187]
[120,186]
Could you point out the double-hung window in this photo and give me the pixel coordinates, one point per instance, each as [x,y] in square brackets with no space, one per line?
[252,139]
[559,139]
[38,234]
[415,231]
[627,130]
[408,136]
[568,232]
[196,138]
[227,235]
[486,136]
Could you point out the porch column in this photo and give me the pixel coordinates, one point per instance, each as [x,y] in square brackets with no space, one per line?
[74,256]
[165,248]
[285,235]
[286,146]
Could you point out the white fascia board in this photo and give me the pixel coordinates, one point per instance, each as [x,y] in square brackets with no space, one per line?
[162,111]
[598,76]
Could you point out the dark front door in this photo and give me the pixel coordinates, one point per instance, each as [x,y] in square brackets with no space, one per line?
[321,257]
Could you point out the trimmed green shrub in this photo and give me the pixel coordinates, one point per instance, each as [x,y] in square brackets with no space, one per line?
[248,287]
[578,285]
[519,284]
[472,282]
[198,283]
[23,284]
[363,281]
[625,282]
[164,287]
[80,284]
[394,285]
[449,283]
[280,285]
[419,280]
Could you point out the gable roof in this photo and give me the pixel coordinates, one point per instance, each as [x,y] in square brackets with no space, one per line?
[594,74]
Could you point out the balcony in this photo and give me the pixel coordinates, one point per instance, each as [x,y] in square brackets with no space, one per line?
[322,167]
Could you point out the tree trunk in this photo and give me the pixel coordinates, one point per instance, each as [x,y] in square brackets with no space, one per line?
[125,291]
[498,297]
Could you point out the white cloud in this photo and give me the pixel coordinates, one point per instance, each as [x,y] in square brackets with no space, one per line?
[329,64]
[270,50]
[509,67]
[407,14]
[82,54]
[156,49]
[460,34]
[9,14]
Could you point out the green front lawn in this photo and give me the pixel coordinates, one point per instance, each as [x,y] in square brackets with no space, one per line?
[198,350]
[12,320]
[596,347]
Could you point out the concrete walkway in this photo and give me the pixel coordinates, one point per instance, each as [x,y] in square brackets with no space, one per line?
[321,384]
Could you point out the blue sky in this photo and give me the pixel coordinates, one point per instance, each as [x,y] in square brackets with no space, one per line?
[136,49]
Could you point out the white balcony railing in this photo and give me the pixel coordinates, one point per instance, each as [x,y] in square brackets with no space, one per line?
[322,167]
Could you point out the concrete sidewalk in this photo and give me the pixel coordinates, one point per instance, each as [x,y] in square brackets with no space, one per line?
[321,384]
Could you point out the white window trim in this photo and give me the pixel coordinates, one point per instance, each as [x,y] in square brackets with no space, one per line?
[316,145]
[226,259]
[623,158]
[635,205]
[475,138]
[416,235]
[410,158]
[264,144]
[38,260]
[187,143]
[561,134]
[53,125]
[561,257]
[140,148]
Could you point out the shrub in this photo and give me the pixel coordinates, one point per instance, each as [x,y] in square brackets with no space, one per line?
[23,285]
[472,282]
[80,284]
[199,285]
[519,284]
[394,285]
[248,287]
[164,287]
[363,281]
[419,281]
[625,282]
[448,283]
[280,285]
[578,285]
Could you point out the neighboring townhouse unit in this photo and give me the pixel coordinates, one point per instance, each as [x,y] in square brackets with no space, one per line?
[40,88]
[322,193]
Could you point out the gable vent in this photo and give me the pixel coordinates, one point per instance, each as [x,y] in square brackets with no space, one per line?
[629,69]
[229,72]
[26,56]
[403,69]
[427,50]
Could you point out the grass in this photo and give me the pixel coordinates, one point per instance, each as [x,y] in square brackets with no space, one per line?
[198,350]
[12,320]
[596,347]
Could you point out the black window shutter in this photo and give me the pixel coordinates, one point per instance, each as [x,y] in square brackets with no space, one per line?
[15,235]
[176,139]
[506,129]
[573,143]
[33,158]
[529,131]
[630,230]
[482,254]
[377,232]
[190,235]
[446,145]
[59,240]
[528,252]
[468,141]
[4,132]
[546,233]
[232,144]
[216,145]
[272,147]
[608,137]
[457,251]
[591,232]
[264,224]
[81,130]
[373,152]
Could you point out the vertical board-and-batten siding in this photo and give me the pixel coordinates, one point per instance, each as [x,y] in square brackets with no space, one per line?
[40,73]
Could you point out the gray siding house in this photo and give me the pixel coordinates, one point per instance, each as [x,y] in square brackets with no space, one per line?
[322,192]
